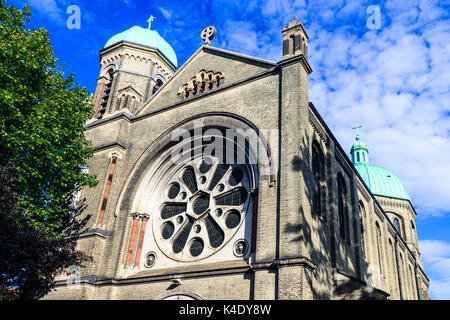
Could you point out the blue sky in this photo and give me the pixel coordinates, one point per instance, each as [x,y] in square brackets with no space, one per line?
[393,80]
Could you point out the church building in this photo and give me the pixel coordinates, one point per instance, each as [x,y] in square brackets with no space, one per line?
[219,179]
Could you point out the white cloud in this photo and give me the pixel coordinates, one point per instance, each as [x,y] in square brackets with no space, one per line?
[241,36]
[50,9]
[166,13]
[434,250]
[436,258]
[393,81]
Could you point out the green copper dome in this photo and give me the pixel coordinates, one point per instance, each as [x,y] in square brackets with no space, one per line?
[380,181]
[145,37]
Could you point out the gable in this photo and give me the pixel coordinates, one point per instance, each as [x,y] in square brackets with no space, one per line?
[130,90]
[210,65]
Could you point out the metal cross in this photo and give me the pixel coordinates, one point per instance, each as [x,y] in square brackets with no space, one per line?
[357,126]
[150,20]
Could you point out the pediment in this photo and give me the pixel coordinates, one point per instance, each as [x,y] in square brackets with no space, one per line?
[207,69]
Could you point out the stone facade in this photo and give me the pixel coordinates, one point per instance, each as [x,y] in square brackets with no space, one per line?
[292,252]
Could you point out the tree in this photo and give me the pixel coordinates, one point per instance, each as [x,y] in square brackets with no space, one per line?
[42,151]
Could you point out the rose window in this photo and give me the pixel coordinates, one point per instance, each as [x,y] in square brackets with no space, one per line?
[201,206]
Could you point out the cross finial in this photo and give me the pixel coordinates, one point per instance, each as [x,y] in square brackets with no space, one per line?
[357,126]
[150,20]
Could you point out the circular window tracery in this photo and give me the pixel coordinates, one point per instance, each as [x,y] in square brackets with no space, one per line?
[204,203]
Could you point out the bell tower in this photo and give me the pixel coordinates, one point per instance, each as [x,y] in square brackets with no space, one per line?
[134,65]
[295,39]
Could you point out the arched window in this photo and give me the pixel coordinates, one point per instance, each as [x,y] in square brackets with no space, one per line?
[210,86]
[318,177]
[158,85]
[397,225]
[362,214]
[342,207]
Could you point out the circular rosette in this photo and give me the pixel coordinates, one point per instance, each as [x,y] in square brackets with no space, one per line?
[202,204]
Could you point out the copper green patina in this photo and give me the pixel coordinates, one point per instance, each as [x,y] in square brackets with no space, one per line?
[146,37]
[380,181]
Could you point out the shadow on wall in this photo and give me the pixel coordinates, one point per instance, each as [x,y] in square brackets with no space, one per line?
[316,232]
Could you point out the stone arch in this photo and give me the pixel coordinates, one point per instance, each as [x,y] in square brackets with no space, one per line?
[110,66]
[135,190]
[265,159]
[181,295]
[402,223]
[157,75]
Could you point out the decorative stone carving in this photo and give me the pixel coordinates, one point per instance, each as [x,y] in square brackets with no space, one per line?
[202,205]
[208,34]
[201,82]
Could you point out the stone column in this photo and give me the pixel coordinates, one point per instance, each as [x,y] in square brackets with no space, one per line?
[135,217]
[144,218]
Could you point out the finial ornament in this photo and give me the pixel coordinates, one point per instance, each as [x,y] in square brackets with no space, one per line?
[208,34]
[357,126]
[150,20]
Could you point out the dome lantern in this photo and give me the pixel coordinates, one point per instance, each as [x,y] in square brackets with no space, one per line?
[359,151]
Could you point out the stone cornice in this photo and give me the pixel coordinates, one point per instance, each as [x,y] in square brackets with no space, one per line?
[362,189]
[340,158]
[112,144]
[197,271]
[94,233]
[318,128]
[295,59]
[135,45]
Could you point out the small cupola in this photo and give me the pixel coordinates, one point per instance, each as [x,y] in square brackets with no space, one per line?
[359,151]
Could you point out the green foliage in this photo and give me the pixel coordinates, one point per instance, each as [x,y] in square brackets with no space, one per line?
[42,116]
